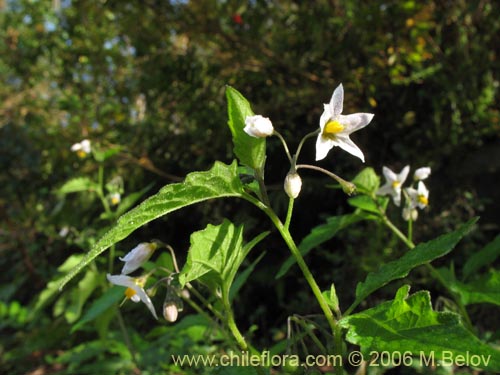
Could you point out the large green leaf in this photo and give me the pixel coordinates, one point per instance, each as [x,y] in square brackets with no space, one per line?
[215,254]
[320,234]
[408,324]
[249,150]
[484,257]
[220,181]
[421,254]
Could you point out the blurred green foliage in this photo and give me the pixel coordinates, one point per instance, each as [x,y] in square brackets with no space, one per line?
[147,78]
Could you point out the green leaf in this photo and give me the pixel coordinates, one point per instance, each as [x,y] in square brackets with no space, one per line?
[484,257]
[249,150]
[131,199]
[220,181]
[367,181]
[99,306]
[421,254]
[485,289]
[408,324]
[320,234]
[77,184]
[211,252]
[242,277]
[216,254]
[366,203]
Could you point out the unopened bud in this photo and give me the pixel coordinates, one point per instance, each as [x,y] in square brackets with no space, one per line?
[170,311]
[410,213]
[293,184]
[258,126]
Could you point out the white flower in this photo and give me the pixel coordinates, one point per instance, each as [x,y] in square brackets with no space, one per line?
[82,148]
[135,289]
[136,257]
[115,198]
[393,183]
[335,128]
[420,197]
[422,173]
[293,184]
[258,126]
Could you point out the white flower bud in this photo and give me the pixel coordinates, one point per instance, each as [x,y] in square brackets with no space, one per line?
[258,126]
[293,184]
[409,212]
[170,311]
[422,173]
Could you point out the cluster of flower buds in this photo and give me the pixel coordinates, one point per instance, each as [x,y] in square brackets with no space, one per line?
[414,198]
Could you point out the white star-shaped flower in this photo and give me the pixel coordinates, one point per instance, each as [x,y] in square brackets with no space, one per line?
[393,183]
[419,197]
[335,128]
[135,290]
[136,257]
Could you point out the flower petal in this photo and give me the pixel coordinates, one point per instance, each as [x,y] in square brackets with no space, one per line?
[325,116]
[389,175]
[403,174]
[146,300]
[323,145]
[345,143]
[355,121]
[386,189]
[337,100]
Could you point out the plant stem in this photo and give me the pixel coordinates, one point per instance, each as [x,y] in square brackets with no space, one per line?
[285,146]
[299,148]
[231,324]
[287,237]
[126,337]
[410,228]
[259,176]
[347,187]
[289,213]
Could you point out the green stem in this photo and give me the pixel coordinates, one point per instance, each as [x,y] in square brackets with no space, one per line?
[285,146]
[347,187]
[299,148]
[231,324]
[126,337]
[289,213]
[259,176]
[311,334]
[287,237]
[410,228]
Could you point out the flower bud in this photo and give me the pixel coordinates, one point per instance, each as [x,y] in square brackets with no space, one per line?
[422,173]
[258,126]
[170,311]
[293,184]
[410,213]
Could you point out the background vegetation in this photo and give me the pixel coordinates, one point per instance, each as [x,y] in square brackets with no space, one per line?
[146,79]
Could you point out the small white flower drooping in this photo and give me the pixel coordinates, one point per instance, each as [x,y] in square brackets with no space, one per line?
[136,257]
[258,126]
[135,289]
[335,128]
[393,183]
[82,148]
